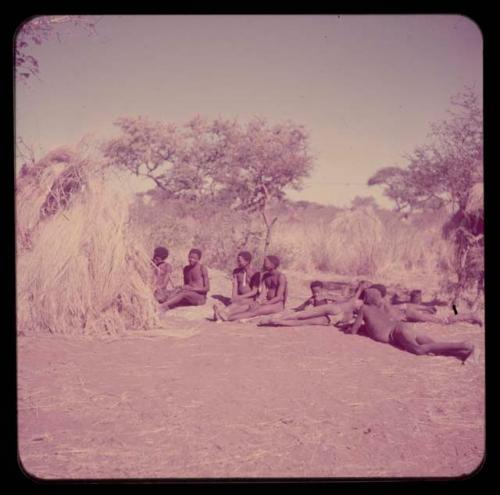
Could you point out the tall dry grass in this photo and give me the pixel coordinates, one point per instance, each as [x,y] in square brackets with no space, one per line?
[364,242]
[78,269]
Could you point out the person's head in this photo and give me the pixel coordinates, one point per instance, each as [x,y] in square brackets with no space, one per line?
[160,254]
[271,262]
[194,256]
[316,288]
[381,288]
[372,297]
[416,296]
[243,259]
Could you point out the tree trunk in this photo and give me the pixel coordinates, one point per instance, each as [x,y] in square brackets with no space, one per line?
[269,227]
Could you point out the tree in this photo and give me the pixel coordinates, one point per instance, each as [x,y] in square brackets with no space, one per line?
[266,161]
[364,202]
[222,162]
[40,29]
[146,148]
[444,171]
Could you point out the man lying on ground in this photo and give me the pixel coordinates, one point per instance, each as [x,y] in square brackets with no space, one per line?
[196,284]
[415,313]
[382,328]
[161,274]
[274,285]
[322,313]
[246,283]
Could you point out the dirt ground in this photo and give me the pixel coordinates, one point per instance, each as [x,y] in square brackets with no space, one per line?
[200,399]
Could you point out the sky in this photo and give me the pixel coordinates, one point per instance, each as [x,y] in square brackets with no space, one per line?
[366,88]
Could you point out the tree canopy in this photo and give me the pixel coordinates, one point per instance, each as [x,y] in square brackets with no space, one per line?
[443,171]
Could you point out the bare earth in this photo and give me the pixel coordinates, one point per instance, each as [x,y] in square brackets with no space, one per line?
[236,400]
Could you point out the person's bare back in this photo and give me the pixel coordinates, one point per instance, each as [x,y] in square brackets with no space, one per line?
[378,324]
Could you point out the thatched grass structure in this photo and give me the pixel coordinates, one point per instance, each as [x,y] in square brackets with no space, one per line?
[78,269]
[466,230]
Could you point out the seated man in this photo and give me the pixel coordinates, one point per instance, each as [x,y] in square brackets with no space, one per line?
[246,283]
[321,313]
[274,284]
[382,328]
[196,284]
[417,312]
[161,274]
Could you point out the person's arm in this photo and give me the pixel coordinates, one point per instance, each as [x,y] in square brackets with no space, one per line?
[234,293]
[361,287]
[304,305]
[163,277]
[206,282]
[357,323]
[422,308]
[280,291]
[247,295]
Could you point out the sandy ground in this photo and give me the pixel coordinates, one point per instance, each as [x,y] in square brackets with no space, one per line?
[236,400]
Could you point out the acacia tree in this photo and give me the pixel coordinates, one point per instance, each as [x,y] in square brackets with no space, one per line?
[444,171]
[448,171]
[219,162]
[266,161]
[145,148]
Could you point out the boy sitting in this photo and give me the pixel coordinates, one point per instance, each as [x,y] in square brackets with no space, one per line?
[246,283]
[161,274]
[274,284]
[196,284]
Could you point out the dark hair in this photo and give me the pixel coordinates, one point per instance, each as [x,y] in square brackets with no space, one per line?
[416,296]
[274,260]
[381,288]
[316,283]
[196,251]
[245,255]
[160,252]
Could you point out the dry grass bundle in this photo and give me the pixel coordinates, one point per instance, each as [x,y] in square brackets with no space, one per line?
[78,270]
[475,203]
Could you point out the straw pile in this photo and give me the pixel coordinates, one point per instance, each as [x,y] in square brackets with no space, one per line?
[78,269]
[475,203]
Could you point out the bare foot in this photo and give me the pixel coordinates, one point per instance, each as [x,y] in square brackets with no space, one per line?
[219,313]
[215,318]
[477,320]
[265,322]
[472,357]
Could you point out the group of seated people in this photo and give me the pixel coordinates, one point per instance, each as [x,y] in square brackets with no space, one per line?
[264,293]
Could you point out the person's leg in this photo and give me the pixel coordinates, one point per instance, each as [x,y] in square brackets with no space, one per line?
[467,317]
[416,316]
[223,314]
[420,344]
[184,297]
[193,298]
[286,314]
[323,310]
[318,320]
[173,301]
[259,310]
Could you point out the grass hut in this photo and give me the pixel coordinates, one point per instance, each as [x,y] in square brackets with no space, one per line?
[79,270]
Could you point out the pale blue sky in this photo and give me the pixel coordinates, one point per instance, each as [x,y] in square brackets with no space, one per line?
[365,87]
